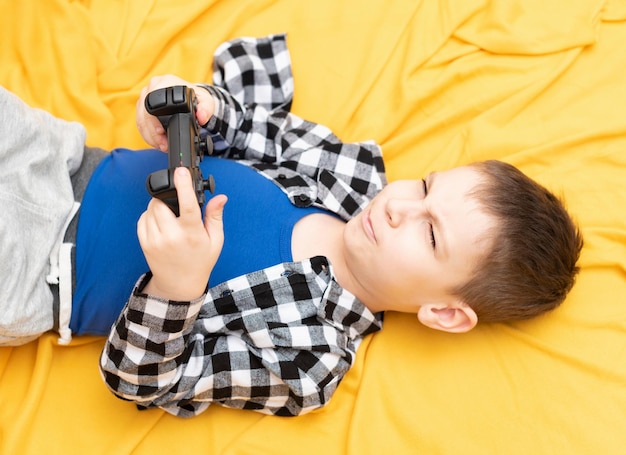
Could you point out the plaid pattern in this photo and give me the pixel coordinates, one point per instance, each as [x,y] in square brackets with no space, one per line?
[253,92]
[278,340]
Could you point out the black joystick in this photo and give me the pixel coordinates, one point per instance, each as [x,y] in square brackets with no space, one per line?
[175,107]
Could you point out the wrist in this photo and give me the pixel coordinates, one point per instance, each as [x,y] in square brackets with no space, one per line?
[179,291]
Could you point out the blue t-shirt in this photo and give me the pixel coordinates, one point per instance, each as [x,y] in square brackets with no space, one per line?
[258,223]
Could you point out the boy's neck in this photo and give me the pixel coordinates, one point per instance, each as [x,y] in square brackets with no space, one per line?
[323,235]
[318,234]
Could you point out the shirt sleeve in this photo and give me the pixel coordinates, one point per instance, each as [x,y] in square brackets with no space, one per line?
[252,132]
[253,89]
[237,351]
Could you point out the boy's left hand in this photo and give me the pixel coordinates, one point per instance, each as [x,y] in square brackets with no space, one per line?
[181,251]
[149,126]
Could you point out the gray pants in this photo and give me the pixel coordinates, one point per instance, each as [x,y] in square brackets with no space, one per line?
[38,155]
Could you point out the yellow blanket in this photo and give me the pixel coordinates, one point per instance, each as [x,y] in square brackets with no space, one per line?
[538,83]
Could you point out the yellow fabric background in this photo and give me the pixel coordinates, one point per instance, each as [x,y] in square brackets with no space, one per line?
[538,83]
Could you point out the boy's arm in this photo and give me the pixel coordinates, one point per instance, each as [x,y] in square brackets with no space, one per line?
[249,118]
[233,351]
[255,133]
[253,85]
[273,136]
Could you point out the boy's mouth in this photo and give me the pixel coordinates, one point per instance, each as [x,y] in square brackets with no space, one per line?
[367,225]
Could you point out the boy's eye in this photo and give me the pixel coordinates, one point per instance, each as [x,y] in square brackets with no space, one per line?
[433,243]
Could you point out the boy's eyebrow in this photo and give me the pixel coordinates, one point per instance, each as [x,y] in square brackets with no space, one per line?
[437,224]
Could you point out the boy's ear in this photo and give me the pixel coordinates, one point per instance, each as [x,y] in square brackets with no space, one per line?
[453,318]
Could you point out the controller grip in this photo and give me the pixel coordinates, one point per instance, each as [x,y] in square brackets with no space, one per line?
[160,184]
[165,102]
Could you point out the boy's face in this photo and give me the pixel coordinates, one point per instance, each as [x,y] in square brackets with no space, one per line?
[416,240]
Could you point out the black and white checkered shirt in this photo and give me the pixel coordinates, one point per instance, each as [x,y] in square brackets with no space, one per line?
[281,339]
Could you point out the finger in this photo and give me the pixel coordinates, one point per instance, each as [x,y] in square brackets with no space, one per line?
[187,200]
[214,218]
[148,125]
[158,135]
[205,107]
[202,116]
[147,226]
[142,233]
[149,219]
[152,132]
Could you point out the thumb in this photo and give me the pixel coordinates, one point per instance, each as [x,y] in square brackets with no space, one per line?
[213,220]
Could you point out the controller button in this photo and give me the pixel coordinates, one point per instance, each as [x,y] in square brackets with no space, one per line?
[178,94]
[302,200]
[156,99]
[159,181]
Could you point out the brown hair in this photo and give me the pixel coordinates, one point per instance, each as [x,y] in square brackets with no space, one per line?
[531,265]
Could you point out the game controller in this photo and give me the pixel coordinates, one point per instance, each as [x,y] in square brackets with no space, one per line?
[175,107]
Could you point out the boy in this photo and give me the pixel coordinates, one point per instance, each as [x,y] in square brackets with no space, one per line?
[279,341]
[277,331]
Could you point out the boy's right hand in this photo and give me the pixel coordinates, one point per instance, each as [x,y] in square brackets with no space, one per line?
[149,126]
[181,251]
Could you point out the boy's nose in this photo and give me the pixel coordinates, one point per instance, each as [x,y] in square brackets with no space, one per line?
[401,210]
